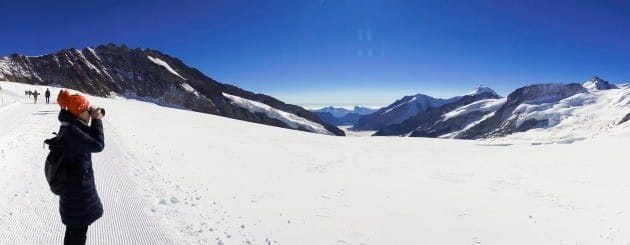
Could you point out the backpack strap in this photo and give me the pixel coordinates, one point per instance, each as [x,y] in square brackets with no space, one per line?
[58,135]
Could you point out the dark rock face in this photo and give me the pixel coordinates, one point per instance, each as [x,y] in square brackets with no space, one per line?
[625,119]
[329,118]
[531,124]
[504,122]
[429,124]
[351,119]
[146,74]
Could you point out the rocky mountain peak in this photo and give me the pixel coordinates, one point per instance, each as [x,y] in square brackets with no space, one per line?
[482,89]
[597,83]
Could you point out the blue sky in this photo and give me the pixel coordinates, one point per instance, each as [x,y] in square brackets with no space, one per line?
[346,52]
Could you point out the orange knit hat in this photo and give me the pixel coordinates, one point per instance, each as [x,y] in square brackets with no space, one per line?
[75,103]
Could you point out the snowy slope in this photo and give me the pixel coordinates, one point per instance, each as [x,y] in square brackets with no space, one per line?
[578,117]
[162,63]
[560,113]
[182,177]
[482,105]
[290,119]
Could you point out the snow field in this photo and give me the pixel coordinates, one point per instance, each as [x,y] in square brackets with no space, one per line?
[203,179]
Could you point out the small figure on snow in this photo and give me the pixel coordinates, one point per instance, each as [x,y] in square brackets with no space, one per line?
[35,94]
[47,94]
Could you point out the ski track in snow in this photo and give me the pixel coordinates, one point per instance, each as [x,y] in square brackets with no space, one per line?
[22,157]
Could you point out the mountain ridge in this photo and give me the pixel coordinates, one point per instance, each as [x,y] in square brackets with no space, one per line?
[109,69]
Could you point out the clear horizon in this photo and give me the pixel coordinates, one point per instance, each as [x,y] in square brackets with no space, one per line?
[317,53]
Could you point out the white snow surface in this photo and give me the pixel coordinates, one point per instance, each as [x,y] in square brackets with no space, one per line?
[162,63]
[171,176]
[290,119]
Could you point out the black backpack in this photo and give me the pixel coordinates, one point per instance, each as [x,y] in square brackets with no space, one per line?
[56,173]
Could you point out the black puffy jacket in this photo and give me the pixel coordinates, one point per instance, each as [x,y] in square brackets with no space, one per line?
[79,204]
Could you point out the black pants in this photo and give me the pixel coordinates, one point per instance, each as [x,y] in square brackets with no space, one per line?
[75,235]
[47,99]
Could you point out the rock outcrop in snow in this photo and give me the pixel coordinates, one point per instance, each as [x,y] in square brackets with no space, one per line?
[144,74]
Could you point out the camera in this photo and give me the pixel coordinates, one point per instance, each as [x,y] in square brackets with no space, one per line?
[93,108]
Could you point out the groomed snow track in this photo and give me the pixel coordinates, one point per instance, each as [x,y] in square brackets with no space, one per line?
[26,198]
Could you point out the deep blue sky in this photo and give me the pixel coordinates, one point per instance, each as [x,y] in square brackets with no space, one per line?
[344,52]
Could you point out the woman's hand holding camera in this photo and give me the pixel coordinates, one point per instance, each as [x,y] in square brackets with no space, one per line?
[97,113]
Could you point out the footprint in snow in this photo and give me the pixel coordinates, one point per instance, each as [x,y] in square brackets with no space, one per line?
[174,200]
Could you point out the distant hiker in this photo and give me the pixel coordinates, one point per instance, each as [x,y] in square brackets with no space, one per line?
[79,203]
[27,93]
[35,94]
[47,94]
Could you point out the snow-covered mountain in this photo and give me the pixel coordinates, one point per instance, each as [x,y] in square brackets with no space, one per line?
[513,117]
[552,112]
[150,75]
[598,84]
[558,113]
[482,89]
[399,111]
[341,116]
[547,112]
[447,118]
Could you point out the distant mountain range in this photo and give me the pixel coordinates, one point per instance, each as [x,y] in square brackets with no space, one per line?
[150,75]
[408,107]
[341,116]
[564,112]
